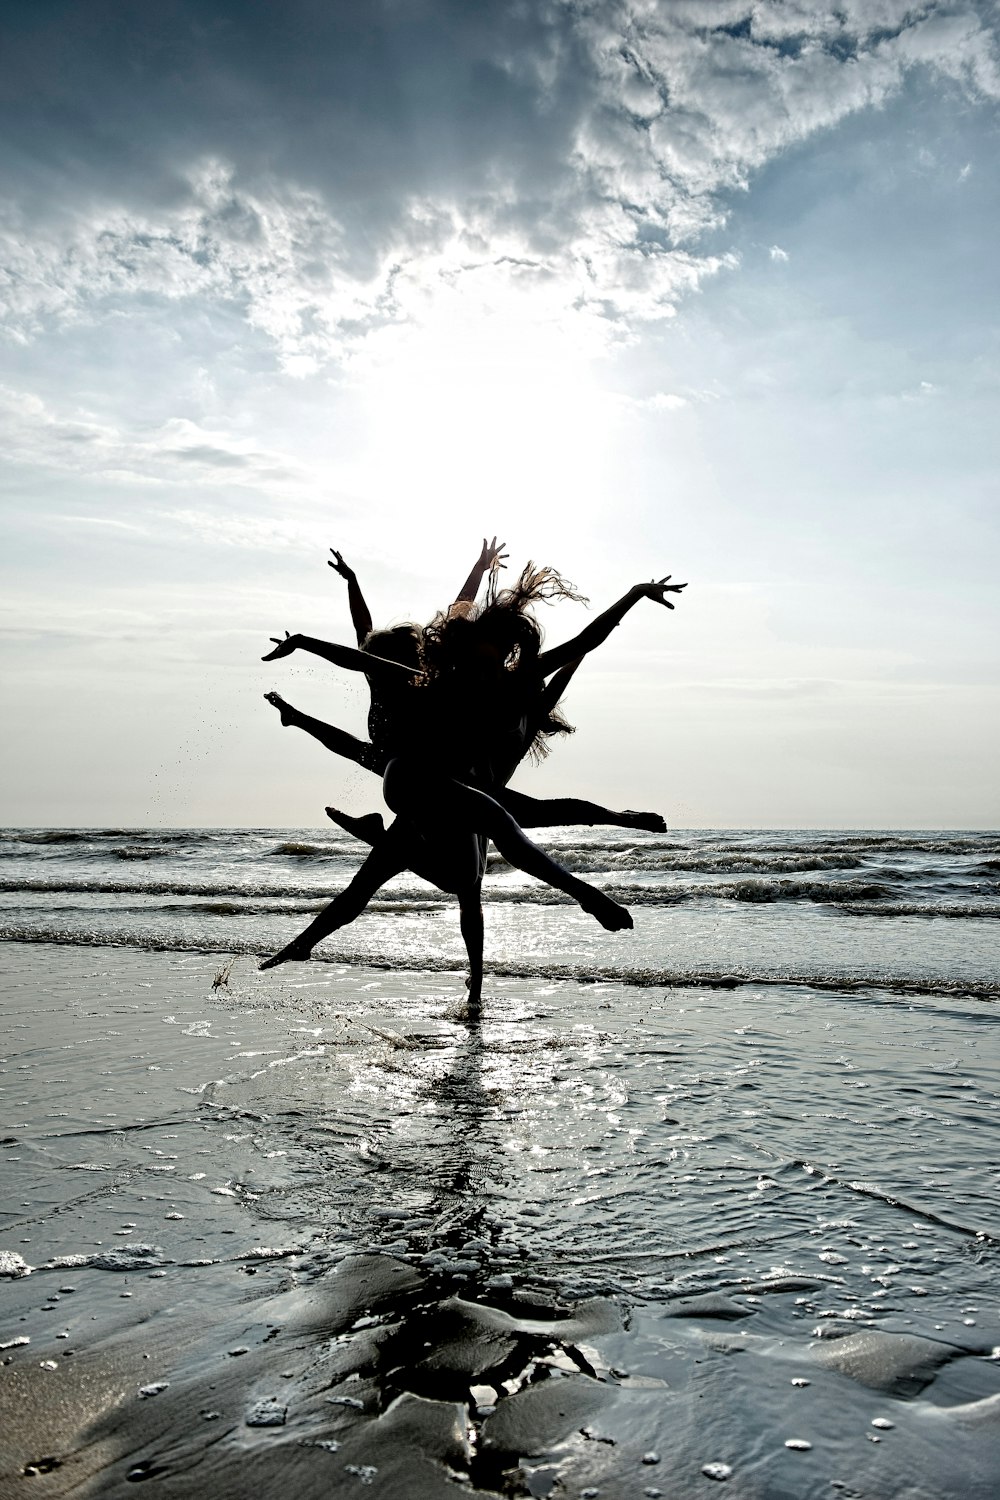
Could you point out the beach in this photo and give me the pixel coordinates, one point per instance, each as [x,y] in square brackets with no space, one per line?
[714,1203]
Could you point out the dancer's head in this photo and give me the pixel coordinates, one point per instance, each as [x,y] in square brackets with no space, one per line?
[401,643]
[501,635]
[499,643]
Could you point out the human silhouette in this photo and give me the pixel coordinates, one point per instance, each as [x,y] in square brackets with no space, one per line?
[455,708]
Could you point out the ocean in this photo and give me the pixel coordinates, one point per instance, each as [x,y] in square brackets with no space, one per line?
[711,1201]
[913,910]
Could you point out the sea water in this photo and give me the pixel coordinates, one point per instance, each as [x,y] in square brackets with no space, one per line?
[916,911]
[762,1124]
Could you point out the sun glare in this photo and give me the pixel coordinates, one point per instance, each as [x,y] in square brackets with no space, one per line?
[484,408]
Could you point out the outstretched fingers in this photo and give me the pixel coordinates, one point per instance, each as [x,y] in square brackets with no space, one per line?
[281,647]
[658,588]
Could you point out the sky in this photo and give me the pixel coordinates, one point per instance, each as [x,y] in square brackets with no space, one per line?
[640,286]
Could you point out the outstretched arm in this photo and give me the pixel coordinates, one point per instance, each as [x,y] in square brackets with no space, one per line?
[376,668]
[597,632]
[360,614]
[491,556]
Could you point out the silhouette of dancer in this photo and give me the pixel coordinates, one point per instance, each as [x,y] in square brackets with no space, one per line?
[484,700]
[403,644]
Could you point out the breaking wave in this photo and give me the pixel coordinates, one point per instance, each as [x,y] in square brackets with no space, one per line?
[578,973]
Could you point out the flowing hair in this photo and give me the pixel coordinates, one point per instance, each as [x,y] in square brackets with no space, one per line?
[504,621]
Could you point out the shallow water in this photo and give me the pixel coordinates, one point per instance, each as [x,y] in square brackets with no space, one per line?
[916,911]
[753,1180]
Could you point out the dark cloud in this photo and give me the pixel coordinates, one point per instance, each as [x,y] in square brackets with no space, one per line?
[356,100]
[312,162]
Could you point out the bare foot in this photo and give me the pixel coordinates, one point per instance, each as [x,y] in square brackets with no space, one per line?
[652,822]
[475,990]
[285,709]
[611,916]
[297,951]
[367,828]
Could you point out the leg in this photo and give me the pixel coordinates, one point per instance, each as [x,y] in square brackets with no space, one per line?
[382,864]
[471,917]
[336,740]
[417,791]
[556,812]
[368,827]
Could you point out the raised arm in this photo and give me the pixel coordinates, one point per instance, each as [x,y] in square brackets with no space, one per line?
[376,668]
[491,556]
[597,632]
[360,614]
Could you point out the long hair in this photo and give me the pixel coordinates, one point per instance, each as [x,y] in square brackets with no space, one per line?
[451,643]
[399,643]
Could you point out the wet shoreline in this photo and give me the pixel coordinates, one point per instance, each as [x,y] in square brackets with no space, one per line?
[602,1224]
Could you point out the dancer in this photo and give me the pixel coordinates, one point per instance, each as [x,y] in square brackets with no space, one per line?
[445,809]
[475,656]
[402,644]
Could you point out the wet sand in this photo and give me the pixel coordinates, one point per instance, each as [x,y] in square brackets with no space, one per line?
[316,1234]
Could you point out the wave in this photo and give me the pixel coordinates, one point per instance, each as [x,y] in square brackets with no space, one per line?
[989,909]
[306,851]
[866,896]
[109,887]
[643,857]
[133,851]
[648,978]
[95,835]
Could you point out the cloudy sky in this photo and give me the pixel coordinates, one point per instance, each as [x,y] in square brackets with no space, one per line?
[644,287]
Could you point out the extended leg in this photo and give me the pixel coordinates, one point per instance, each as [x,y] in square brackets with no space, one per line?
[558,812]
[382,864]
[368,827]
[362,752]
[418,792]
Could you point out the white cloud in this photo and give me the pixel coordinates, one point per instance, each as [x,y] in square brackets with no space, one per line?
[677,104]
[178,452]
[776,253]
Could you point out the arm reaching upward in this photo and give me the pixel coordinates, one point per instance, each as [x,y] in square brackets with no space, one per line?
[360,614]
[491,557]
[376,668]
[597,632]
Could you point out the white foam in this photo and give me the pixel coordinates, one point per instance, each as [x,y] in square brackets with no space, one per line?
[12,1264]
[268,1412]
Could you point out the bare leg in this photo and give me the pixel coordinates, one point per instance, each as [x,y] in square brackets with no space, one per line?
[557,812]
[362,752]
[381,865]
[416,791]
[471,916]
[368,827]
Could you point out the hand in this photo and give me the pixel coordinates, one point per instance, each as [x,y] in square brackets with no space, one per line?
[282,647]
[339,566]
[657,588]
[492,556]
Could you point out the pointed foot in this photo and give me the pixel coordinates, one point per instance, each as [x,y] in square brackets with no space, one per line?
[368,827]
[295,952]
[651,822]
[612,917]
[284,709]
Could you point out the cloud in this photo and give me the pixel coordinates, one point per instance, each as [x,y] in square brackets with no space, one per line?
[177,452]
[570,156]
[776,253]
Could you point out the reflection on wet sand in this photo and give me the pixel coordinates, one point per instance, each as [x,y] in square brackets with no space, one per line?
[593,1239]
